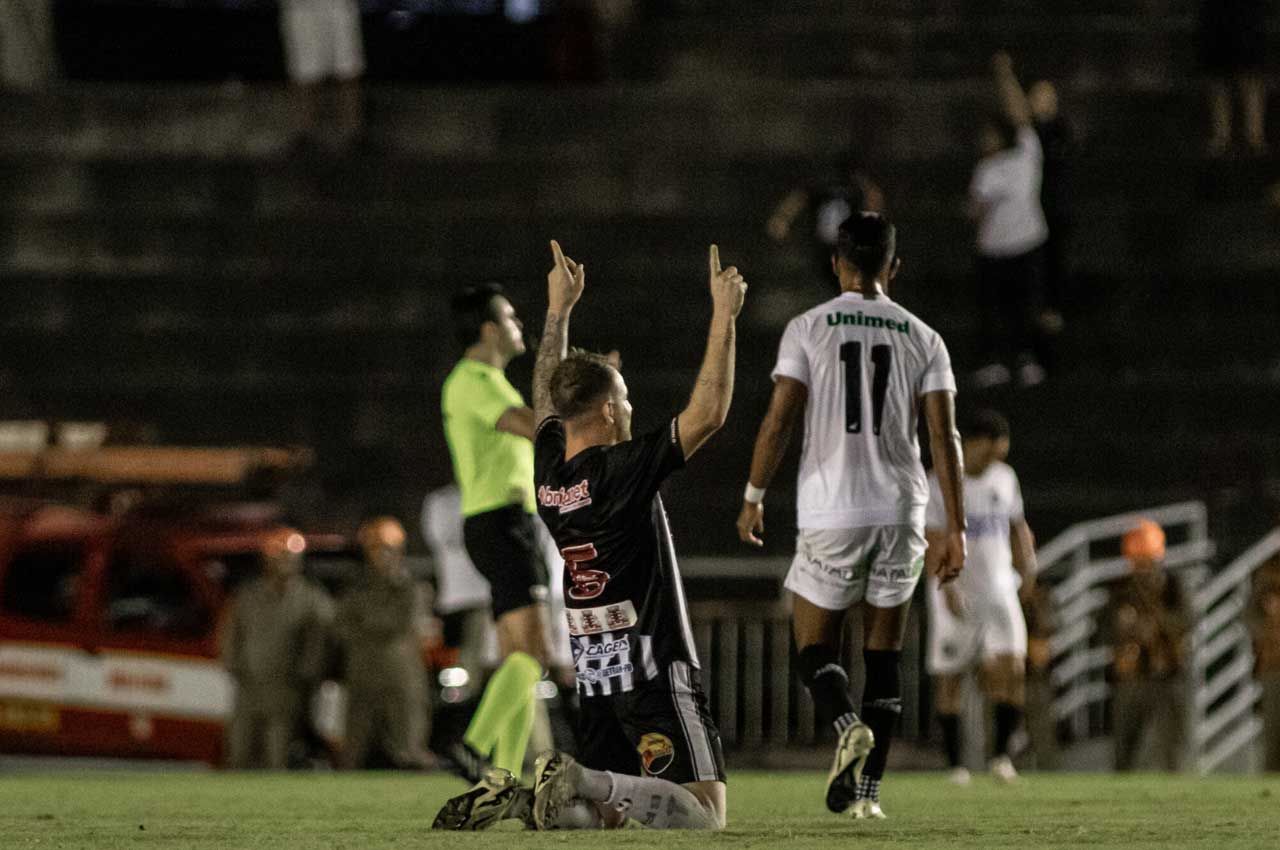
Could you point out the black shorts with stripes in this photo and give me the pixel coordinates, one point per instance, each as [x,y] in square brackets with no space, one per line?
[660,728]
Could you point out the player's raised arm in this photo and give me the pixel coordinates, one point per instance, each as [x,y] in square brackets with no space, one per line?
[565,283]
[709,404]
[944,441]
[785,408]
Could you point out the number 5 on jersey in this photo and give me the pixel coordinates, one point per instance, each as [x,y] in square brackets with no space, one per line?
[587,583]
[851,357]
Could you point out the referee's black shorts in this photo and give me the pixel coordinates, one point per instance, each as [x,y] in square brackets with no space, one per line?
[503,544]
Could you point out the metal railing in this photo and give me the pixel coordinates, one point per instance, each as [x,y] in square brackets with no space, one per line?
[1224,692]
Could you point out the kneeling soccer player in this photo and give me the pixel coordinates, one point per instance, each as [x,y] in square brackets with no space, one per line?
[649,749]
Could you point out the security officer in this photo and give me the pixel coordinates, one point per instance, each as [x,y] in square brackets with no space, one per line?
[381,624]
[273,645]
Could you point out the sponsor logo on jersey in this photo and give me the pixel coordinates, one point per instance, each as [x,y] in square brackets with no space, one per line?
[584,649]
[592,676]
[565,499]
[862,321]
[603,618]
[656,752]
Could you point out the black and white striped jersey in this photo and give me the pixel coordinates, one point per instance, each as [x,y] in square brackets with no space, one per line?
[623,596]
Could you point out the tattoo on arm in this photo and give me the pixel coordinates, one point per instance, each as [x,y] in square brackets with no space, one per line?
[552,350]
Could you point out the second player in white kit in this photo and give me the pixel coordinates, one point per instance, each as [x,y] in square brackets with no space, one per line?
[860,369]
[976,622]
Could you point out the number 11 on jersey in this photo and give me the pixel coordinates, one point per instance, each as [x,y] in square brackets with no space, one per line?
[851,357]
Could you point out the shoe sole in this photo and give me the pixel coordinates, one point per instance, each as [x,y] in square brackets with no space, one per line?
[861,743]
[478,809]
[552,789]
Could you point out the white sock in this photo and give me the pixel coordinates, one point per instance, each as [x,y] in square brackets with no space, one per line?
[579,814]
[659,804]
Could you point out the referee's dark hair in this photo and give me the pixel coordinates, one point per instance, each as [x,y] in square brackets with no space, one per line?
[580,381]
[867,241]
[984,424]
[472,307]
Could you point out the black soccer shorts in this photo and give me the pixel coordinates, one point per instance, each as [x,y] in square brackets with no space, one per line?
[503,544]
[660,728]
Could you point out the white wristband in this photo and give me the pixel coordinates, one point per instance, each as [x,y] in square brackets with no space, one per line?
[754,495]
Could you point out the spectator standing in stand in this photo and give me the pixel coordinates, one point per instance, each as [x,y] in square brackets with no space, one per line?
[1148,623]
[381,624]
[846,190]
[323,44]
[1233,47]
[273,645]
[1265,621]
[1004,202]
[1057,141]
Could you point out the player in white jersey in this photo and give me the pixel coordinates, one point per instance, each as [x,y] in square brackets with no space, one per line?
[859,368]
[976,621]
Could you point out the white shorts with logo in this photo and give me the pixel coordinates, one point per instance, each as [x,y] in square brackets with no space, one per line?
[993,625]
[836,567]
[322,39]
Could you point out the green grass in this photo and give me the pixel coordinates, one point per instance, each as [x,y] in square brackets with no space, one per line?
[105,811]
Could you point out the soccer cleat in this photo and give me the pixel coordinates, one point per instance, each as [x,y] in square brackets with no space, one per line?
[460,759]
[497,796]
[555,784]
[852,749]
[866,809]
[958,776]
[1003,771]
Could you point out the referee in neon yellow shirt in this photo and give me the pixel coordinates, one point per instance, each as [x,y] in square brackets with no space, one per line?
[490,431]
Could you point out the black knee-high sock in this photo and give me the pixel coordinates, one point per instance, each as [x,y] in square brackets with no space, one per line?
[1008,716]
[881,706]
[950,724]
[828,684]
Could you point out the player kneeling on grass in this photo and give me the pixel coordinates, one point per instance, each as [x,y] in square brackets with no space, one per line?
[977,619]
[650,752]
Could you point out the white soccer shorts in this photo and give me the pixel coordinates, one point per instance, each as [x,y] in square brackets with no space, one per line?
[835,567]
[993,625]
[322,40]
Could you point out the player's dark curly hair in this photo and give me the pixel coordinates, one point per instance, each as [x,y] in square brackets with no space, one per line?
[472,307]
[984,424]
[866,241]
[581,380]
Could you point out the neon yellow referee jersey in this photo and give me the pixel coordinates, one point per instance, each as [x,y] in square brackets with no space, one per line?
[493,469]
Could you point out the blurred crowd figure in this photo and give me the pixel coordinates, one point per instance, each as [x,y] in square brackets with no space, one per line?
[1147,621]
[824,203]
[1265,622]
[324,54]
[383,627]
[274,646]
[28,58]
[1042,723]
[1233,45]
[1011,234]
[1058,142]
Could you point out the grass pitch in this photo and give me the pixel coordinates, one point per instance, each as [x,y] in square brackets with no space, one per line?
[147,811]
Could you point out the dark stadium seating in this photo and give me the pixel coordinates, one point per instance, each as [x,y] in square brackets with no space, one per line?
[164,259]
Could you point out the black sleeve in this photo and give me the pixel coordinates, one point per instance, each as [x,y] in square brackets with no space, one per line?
[548,449]
[638,467]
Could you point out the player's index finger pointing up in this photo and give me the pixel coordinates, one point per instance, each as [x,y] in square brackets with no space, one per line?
[715,259]
[557,253]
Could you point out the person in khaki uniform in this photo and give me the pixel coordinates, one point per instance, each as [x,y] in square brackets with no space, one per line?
[1265,620]
[381,622]
[1041,723]
[273,646]
[1148,620]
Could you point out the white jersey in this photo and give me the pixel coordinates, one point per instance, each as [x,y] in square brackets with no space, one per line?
[992,502]
[866,363]
[459,585]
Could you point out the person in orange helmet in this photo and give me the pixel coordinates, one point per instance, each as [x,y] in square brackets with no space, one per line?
[381,622]
[273,646]
[1147,619]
